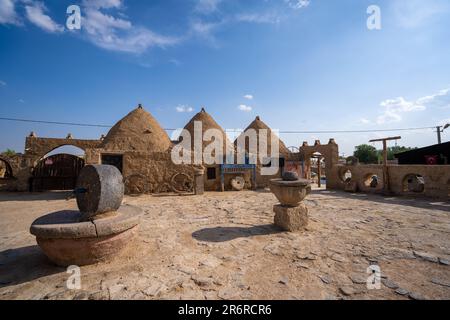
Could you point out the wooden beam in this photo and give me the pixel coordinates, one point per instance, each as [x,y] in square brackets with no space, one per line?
[385,139]
[387,186]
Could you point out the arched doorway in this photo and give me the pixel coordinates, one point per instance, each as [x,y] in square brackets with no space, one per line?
[318,170]
[413,183]
[58,170]
[5,170]
[372,181]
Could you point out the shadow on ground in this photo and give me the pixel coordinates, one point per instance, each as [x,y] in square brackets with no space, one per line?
[35,196]
[24,264]
[223,234]
[418,202]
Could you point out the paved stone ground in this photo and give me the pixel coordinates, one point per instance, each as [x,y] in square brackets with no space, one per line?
[224,246]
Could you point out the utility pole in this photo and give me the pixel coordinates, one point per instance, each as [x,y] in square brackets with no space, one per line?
[438,131]
[385,156]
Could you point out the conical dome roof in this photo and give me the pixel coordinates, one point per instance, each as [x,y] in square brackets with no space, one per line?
[138,131]
[207,123]
[257,125]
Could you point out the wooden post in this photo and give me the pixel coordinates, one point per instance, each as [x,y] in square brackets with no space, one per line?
[385,168]
[319,173]
[386,183]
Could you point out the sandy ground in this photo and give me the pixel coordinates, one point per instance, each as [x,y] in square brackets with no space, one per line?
[224,246]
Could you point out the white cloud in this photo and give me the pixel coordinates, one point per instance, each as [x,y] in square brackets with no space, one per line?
[35,13]
[204,29]
[440,100]
[394,108]
[117,34]
[105,4]
[271,18]
[207,6]
[248,97]
[105,24]
[2,83]
[244,108]
[297,4]
[183,108]
[8,13]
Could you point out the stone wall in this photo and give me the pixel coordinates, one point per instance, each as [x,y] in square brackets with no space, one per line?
[35,149]
[436,178]
[21,172]
[39,147]
[152,172]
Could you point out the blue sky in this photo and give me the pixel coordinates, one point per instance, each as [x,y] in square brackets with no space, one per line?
[300,65]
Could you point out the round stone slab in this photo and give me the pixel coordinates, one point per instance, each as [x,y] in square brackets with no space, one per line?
[99,190]
[295,183]
[68,225]
[67,241]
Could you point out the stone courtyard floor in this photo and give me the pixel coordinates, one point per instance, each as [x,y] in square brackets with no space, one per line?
[224,246]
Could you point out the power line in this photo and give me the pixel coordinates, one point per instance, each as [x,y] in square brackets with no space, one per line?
[345,131]
[359,131]
[58,123]
[229,130]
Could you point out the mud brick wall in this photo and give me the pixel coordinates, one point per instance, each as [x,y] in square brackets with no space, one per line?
[436,178]
[21,172]
[39,147]
[151,172]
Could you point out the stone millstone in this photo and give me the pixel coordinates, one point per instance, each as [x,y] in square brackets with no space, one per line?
[238,183]
[290,176]
[101,188]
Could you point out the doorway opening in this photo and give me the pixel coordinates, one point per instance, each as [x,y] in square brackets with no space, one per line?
[115,160]
[58,170]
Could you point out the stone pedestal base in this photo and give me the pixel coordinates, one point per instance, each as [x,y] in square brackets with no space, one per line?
[291,218]
[67,241]
[199,184]
[86,251]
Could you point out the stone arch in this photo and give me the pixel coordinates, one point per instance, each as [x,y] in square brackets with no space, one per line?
[56,172]
[39,147]
[330,153]
[346,174]
[6,169]
[372,181]
[56,169]
[52,153]
[413,183]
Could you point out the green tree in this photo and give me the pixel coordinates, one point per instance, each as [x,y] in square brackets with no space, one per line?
[9,153]
[366,154]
